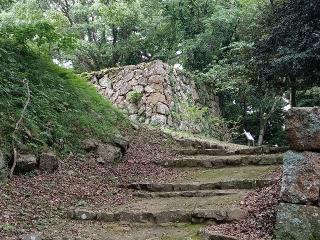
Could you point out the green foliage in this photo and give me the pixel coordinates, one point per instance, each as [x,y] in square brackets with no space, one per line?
[64,108]
[7,227]
[135,97]
[288,56]
[249,53]
[199,120]
[309,98]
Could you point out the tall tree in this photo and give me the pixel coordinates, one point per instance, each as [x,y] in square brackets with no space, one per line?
[289,56]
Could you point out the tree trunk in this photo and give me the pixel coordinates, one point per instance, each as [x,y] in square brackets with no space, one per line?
[293,92]
[261,132]
[244,112]
[293,96]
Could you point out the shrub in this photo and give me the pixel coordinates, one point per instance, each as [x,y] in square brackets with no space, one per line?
[135,97]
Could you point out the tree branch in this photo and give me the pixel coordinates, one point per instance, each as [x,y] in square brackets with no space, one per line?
[17,128]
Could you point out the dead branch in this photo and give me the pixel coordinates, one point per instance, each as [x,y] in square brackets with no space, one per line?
[17,128]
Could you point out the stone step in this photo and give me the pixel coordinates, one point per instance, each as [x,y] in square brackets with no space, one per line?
[196,186]
[202,151]
[158,217]
[261,150]
[198,193]
[197,143]
[225,152]
[196,179]
[223,161]
[165,210]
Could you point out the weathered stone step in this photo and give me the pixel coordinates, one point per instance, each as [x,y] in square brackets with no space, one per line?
[198,193]
[223,161]
[196,186]
[225,152]
[165,210]
[261,150]
[203,151]
[198,143]
[157,217]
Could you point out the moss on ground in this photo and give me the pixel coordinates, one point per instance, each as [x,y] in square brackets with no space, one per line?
[226,174]
[102,231]
[64,108]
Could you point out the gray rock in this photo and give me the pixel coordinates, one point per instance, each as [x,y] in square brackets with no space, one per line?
[126,87]
[158,119]
[48,162]
[303,128]
[132,108]
[301,177]
[83,214]
[297,222]
[26,163]
[31,236]
[134,118]
[109,153]
[105,82]
[90,145]
[121,142]
[163,109]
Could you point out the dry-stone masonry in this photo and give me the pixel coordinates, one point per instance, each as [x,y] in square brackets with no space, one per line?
[303,128]
[299,211]
[152,93]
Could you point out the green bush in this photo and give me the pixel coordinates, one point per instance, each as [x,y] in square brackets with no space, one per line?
[135,97]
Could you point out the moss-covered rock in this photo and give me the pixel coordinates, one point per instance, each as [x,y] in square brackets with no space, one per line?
[297,222]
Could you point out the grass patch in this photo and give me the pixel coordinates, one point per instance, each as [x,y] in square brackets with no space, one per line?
[64,108]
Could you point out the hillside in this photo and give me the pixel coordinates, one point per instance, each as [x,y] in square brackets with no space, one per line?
[63,111]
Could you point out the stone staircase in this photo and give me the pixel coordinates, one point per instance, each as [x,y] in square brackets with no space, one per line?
[214,180]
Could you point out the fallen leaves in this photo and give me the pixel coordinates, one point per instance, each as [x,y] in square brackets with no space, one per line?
[262,207]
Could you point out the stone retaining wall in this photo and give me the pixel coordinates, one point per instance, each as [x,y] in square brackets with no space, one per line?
[150,92]
[299,211]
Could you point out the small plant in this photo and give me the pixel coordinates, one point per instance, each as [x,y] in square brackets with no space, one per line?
[7,227]
[135,97]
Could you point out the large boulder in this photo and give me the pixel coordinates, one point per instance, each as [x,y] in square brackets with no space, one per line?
[48,162]
[297,222]
[26,163]
[90,145]
[301,177]
[121,142]
[108,153]
[303,128]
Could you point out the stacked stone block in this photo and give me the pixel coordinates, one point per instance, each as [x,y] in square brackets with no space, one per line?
[162,90]
[298,215]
